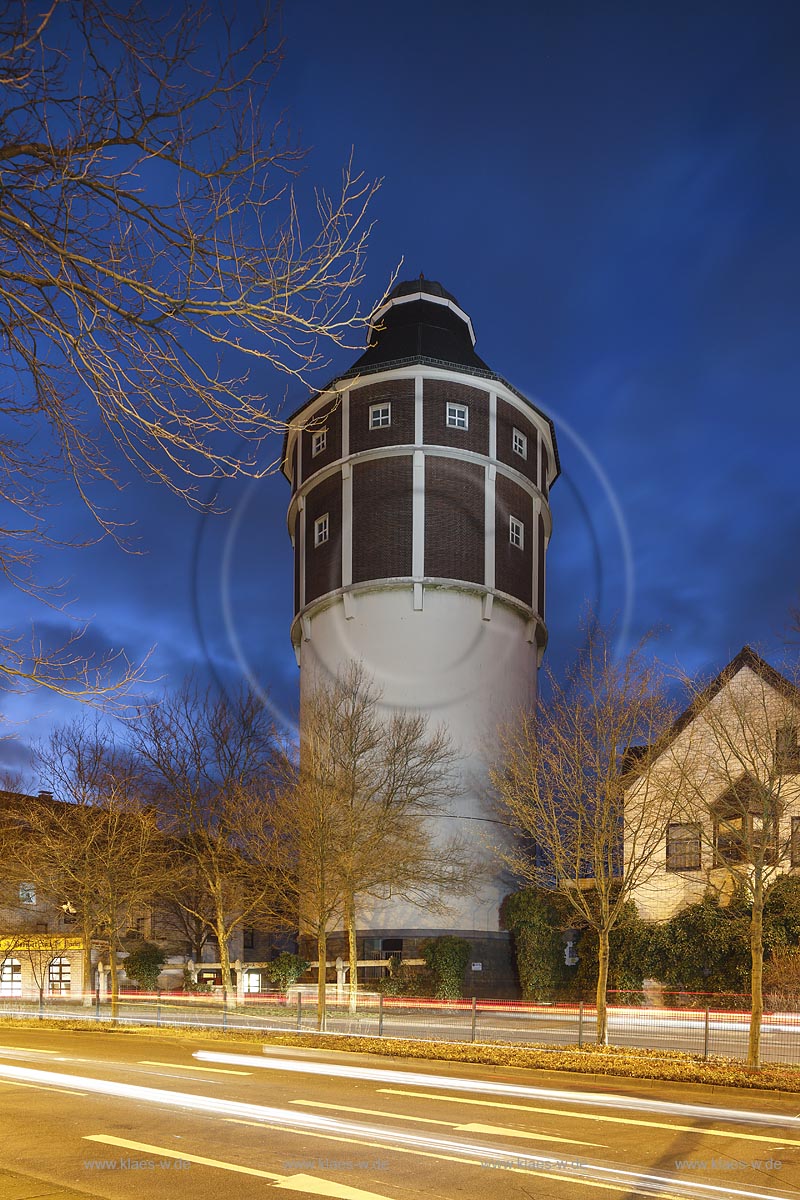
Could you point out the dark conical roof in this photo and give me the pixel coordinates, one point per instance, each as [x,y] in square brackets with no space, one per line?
[420,319]
[407,287]
[419,322]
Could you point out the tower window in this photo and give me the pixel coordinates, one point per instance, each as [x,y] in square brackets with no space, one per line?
[516,533]
[457,416]
[318,442]
[321,530]
[519,443]
[380,416]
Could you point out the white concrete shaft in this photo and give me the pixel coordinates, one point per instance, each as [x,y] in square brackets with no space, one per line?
[462,671]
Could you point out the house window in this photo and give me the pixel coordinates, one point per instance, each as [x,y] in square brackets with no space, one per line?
[795,846]
[27,893]
[519,443]
[457,416]
[744,837]
[321,530]
[729,840]
[380,416]
[318,442]
[787,750]
[140,925]
[248,939]
[10,977]
[683,848]
[516,533]
[58,977]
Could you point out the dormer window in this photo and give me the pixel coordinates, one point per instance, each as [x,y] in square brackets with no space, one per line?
[457,416]
[321,530]
[319,441]
[380,416]
[516,533]
[519,443]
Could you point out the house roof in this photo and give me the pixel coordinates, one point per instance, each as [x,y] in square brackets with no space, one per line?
[636,757]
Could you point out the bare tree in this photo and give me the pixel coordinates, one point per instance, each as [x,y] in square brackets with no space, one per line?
[210,760]
[561,779]
[374,782]
[152,254]
[737,765]
[96,848]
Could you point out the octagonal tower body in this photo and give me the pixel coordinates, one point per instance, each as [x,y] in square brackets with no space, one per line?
[420,522]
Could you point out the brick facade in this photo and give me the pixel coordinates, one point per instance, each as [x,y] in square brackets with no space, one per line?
[382,514]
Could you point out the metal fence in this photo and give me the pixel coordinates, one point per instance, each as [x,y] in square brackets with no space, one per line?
[697,1024]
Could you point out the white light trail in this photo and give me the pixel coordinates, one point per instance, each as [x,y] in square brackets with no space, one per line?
[493,1088]
[483,1155]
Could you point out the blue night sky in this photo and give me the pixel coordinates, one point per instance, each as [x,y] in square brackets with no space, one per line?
[612,193]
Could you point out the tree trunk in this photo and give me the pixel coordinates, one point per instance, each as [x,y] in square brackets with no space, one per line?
[87,964]
[228,989]
[352,950]
[756,973]
[322,958]
[602,986]
[114,967]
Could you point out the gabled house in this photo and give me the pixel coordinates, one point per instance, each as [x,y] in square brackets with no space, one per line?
[732,760]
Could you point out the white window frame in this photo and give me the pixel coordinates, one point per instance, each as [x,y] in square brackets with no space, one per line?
[322,530]
[457,415]
[59,976]
[516,533]
[319,441]
[27,893]
[377,413]
[519,443]
[10,977]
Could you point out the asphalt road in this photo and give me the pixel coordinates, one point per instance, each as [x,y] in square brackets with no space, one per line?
[130,1115]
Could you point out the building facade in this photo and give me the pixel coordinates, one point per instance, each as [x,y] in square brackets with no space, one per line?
[732,763]
[420,521]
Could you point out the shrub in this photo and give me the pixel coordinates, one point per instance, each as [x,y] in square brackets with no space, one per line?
[535,926]
[143,965]
[703,948]
[446,959]
[285,970]
[403,980]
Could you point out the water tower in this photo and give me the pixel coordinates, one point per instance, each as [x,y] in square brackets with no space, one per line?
[420,522]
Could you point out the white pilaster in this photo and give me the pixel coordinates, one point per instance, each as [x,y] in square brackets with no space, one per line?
[418,426]
[489,486]
[301,511]
[346,423]
[347,525]
[492,424]
[418,516]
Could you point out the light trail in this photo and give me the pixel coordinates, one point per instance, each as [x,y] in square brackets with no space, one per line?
[492,1088]
[580,1116]
[591,1174]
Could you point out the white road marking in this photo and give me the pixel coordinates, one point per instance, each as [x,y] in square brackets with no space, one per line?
[146,1062]
[41,1087]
